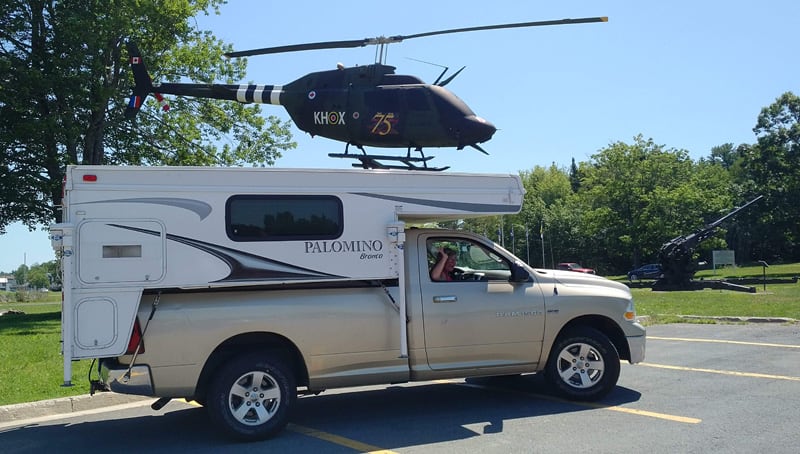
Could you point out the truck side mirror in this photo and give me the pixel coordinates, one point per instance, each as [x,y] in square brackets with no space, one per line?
[518,274]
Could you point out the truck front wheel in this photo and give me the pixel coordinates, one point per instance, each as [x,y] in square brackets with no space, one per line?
[583,364]
[251,397]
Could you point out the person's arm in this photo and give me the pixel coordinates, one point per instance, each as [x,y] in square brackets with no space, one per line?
[438,269]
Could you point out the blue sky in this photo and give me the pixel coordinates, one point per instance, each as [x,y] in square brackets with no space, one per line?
[690,75]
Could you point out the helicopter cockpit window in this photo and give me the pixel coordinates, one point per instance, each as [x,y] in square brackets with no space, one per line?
[382,100]
[447,100]
[400,79]
[416,99]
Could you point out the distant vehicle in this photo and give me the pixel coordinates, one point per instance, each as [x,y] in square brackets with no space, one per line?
[572,266]
[650,271]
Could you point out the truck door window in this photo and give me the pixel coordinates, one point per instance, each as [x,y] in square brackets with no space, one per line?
[473,261]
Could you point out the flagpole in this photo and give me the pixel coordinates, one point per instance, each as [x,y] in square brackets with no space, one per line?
[527,245]
[541,235]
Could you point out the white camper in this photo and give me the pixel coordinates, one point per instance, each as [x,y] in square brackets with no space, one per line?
[240,288]
[130,229]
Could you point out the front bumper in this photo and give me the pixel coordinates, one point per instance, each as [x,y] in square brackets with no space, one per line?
[118,379]
[636,345]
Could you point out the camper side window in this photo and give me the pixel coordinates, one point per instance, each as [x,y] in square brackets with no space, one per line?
[283,217]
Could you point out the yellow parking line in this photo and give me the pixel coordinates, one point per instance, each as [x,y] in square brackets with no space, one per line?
[721,372]
[336,439]
[650,414]
[717,341]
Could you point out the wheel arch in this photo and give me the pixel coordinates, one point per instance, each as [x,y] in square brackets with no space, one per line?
[605,325]
[250,342]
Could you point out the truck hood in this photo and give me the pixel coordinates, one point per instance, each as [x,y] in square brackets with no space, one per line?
[573,279]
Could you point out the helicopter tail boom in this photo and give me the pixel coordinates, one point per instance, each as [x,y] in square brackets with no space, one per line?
[243,93]
[143,83]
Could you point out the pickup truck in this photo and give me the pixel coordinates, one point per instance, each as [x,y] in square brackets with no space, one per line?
[246,354]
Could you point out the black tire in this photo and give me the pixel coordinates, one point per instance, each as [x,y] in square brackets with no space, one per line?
[251,397]
[583,364]
[634,277]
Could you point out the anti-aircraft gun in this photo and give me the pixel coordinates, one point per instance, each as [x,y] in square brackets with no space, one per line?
[677,265]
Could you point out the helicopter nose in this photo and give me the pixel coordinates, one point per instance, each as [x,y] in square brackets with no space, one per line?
[476,130]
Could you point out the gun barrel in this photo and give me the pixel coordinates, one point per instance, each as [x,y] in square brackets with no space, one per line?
[723,218]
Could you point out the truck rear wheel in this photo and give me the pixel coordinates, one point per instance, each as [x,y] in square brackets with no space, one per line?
[251,397]
[583,364]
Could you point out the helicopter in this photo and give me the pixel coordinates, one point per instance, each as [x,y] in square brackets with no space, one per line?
[363,106]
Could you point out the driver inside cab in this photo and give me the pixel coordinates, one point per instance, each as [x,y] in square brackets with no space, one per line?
[446,263]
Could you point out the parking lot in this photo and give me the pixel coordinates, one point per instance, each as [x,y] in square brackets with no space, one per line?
[703,388]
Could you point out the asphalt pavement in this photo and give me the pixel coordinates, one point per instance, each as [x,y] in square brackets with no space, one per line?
[66,405]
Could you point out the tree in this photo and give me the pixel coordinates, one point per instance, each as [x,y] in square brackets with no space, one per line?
[21,275]
[66,78]
[637,196]
[575,176]
[771,168]
[725,155]
[37,278]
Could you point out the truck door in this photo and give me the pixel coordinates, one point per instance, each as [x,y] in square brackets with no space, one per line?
[477,318]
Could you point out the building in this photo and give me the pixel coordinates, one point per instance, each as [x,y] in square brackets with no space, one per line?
[8,283]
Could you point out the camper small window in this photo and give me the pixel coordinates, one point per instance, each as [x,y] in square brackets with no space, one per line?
[283,217]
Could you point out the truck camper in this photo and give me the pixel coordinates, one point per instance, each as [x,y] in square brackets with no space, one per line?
[199,282]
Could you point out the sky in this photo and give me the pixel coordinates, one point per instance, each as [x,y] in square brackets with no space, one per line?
[691,75]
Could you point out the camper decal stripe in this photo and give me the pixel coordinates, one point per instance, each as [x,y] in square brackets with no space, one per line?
[460,206]
[202,209]
[243,265]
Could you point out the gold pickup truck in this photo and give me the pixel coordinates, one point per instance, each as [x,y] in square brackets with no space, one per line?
[246,354]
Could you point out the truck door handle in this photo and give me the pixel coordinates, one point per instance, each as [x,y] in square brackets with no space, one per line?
[445,299]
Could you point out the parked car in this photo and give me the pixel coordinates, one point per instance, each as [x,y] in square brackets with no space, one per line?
[572,266]
[650,271]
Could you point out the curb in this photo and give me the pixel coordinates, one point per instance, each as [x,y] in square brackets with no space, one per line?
[646,318]
[742,319]
[65,405]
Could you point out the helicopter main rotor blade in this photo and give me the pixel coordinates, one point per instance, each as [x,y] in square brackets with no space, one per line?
[300,47]
[399,38]
[583,20]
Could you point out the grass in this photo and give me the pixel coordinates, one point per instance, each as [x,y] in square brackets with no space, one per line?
[778,301]
[30,349]
[30,355]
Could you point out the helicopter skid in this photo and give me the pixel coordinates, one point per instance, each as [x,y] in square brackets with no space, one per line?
[369,161]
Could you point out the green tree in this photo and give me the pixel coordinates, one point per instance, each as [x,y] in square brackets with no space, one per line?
[37,277]
[639,195]
[575,176]
[21,275]
[771,168]
[725,155]
[549,223]
[66,79]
